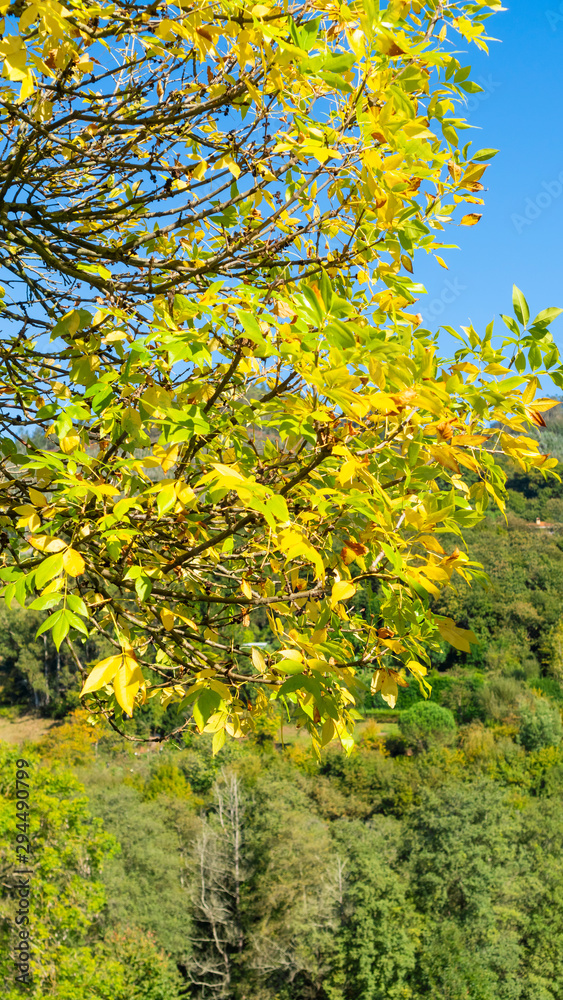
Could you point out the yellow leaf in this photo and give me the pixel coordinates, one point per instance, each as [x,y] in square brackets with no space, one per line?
[102,674]
[341,591]
[46,544]
[167,618]
[188,621]
[417,668]
[258,659]
[431,543]
[470,220]
[228,471]
[37,498]
[69,443]
[166,456]
[292,654]
[73,562]
[389,690]
[457,637]
[126,683]
[441,262]
[530,390]
[377,681]
[246,589]
[27,86]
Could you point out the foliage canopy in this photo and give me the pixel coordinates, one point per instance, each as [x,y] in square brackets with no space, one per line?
[209,219]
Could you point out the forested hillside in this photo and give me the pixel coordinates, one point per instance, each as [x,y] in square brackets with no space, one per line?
[427,864]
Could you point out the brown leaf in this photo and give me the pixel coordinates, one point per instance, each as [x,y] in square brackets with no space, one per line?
[537,418]
[405,398]
[385,633]
[283,310]
[445,431]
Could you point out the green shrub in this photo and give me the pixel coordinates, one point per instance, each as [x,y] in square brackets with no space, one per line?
[427,724]
[540,727]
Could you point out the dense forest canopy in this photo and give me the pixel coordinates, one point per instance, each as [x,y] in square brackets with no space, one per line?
[424,866]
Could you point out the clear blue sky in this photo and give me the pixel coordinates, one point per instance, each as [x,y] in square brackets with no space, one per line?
[520,113]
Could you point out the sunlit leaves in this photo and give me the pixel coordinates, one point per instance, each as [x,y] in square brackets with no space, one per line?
[251,461]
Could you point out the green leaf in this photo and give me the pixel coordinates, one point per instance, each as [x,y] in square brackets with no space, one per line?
[50,623]
[61,628]
[48,569]
[206,705]
[334,80]
[511,323]
[546,316]
[166,499]
[143,587]
[484,154]
[95,269]
[45,601]
[75,603]
[278,507]
[521,310]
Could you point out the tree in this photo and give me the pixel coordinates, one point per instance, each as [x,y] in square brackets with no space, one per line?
[540,727]
[209,220]
[218,866]
[459,844]
[426,723]
[69,957]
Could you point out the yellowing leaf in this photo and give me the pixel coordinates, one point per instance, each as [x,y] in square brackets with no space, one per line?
[73,563]
[102,674]
[417,668]
[126,683]
[470,220]
[227,471]
[258,659]
[188,621]
[530,390]
[69,443]
[431,543]
[246,589]
[218,741]
[460,638]
[37,498]
[167,618]
[292,654]
[44,543]
[389,690]
[341,591]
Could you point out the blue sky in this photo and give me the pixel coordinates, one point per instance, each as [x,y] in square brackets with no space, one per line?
[520,237]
